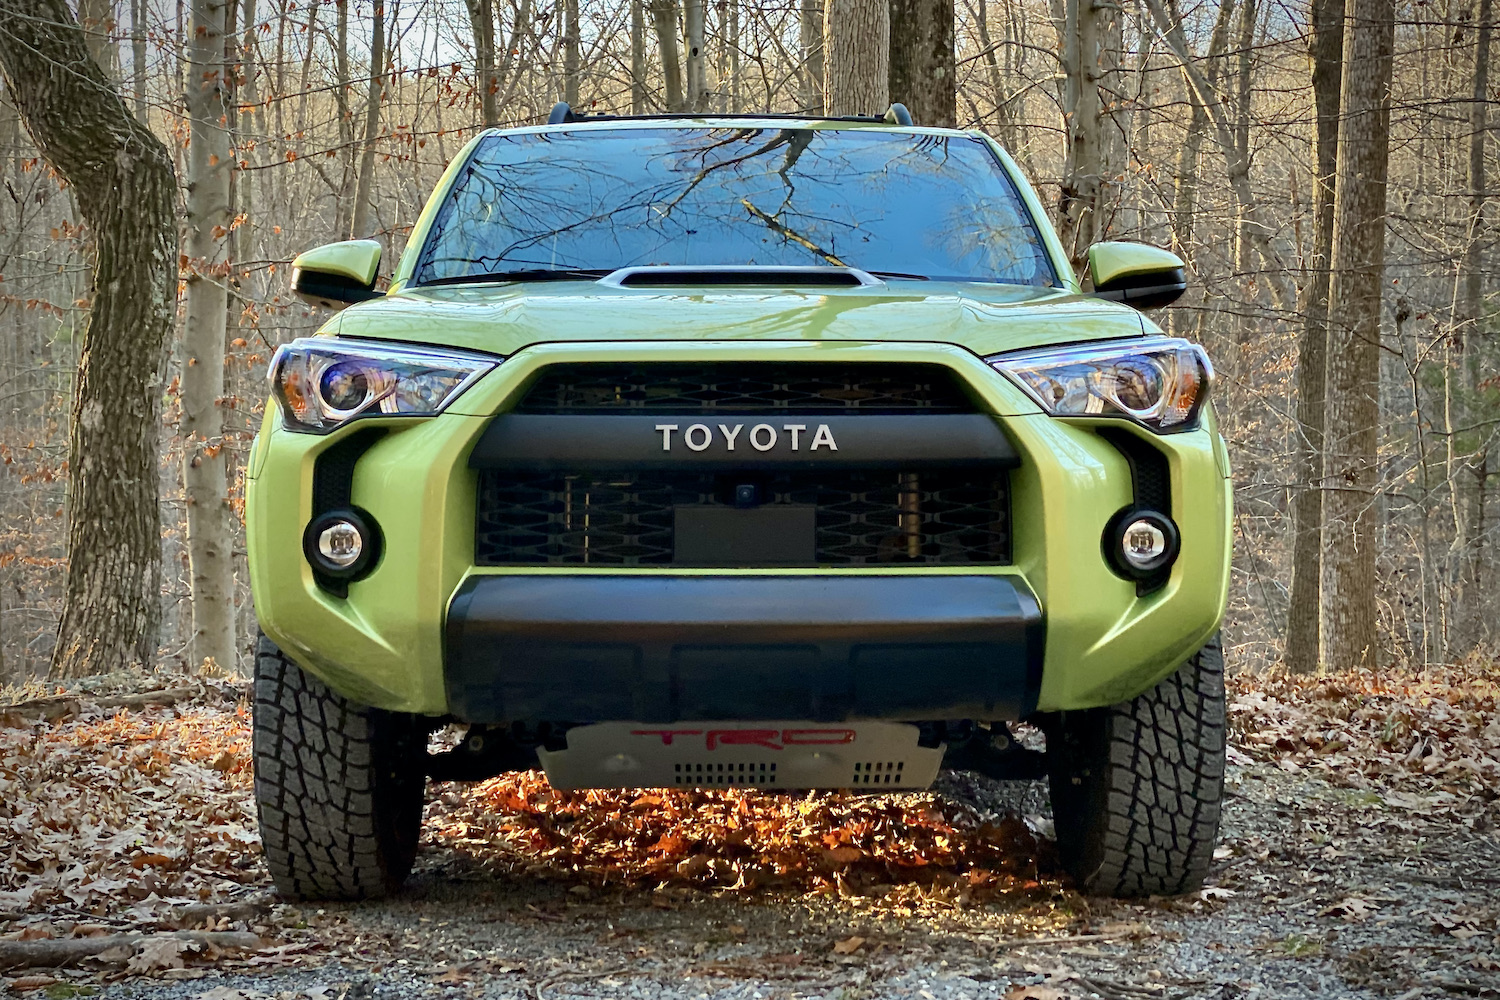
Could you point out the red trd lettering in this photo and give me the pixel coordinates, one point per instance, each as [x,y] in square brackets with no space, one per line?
[666,734]
[815,737]
[743,738]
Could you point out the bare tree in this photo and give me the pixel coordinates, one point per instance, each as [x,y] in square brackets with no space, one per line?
[664,17]
[1327,50]
[922,72]
[1351,507]
[810,45]
[856,57]
[697,62]
[122,177]
[572,35]
[206,303]
[1082,199]
[637,57]
[482,21]
[359,226]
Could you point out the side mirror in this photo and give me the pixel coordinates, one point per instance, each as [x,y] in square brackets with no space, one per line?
[337,274]
[1136,274]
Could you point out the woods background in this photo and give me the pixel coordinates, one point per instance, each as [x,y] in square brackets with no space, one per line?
[1189,125]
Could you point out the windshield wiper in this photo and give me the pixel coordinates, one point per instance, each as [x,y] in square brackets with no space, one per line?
[900,274]
[522,274]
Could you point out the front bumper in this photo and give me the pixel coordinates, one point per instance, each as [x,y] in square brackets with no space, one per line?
[387,643]
[670,649]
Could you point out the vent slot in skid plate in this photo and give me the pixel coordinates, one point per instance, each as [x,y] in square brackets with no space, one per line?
[755,754]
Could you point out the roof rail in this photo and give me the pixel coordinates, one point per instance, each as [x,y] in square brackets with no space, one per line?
[563,114]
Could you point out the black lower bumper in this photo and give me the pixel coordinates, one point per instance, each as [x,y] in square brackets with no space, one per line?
[683,648]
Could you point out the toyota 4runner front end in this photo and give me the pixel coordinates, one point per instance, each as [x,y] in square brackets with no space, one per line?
[710,452]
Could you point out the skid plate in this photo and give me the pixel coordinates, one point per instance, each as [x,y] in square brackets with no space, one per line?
[757,754]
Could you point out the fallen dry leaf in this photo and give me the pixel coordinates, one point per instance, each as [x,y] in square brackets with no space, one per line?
[848,946]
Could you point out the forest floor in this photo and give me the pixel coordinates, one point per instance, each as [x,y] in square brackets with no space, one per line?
[1360,858]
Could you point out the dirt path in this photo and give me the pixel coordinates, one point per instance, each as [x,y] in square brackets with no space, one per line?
[1323,892]
[1359,859]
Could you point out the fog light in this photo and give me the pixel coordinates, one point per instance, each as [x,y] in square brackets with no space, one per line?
[1143,546]
[1140,544]
[340,544]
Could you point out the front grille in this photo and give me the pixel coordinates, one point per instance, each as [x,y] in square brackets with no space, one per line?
[863,517]
[800,389]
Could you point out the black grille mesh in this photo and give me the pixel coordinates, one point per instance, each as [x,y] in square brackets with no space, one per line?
[800,389]
[864,517]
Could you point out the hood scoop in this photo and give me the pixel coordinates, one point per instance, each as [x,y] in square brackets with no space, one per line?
[677,275]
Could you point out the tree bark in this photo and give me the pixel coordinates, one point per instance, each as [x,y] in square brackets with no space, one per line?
[122,176]
[360,225]
[1327,49]
[810,41]
[637,57]
[664,16]
[138,57]
[922,74]
[697,65]
[206,303]
[1083,208]
[96,17]
[571,63]
[1358,263]
[1470,614]
[856,57]
[482,24]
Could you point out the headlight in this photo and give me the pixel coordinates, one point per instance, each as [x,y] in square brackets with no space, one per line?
[1160,382]
[320,382]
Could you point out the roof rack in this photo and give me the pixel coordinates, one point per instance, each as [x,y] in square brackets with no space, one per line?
[562,114]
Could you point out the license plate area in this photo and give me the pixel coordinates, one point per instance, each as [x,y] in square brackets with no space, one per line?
[732,537]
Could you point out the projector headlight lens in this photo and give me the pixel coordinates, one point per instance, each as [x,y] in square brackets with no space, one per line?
[1159,382]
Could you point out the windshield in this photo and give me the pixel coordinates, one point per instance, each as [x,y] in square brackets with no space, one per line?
[921,206]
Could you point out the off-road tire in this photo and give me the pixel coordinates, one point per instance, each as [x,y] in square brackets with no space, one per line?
[338,786]
[1137,787]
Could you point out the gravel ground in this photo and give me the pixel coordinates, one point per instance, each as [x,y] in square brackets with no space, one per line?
[1320,892]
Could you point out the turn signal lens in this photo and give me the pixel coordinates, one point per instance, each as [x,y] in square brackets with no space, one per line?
[322,382]
[1159,382]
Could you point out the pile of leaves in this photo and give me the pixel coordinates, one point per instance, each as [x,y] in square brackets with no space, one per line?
[126,810]
[899,851]
[1428,740]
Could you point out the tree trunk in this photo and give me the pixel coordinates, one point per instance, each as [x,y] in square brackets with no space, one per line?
[1083,208]
[810,42]
[96,17]
[664,16]
[360,225]
[734,58]
[1327,49]
[922,72]
[697,66]
[571,63]
[856,57]
[1471,618]
[346,116]
[482,23]
[138,57]
[206,303]
[122,176]
[1358,263]
[637,57]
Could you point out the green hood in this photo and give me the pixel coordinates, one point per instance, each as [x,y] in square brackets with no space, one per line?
[503,319]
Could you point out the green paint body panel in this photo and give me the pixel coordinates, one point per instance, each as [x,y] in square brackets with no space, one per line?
[383,644]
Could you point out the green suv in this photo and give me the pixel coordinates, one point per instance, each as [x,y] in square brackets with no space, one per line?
[738,451]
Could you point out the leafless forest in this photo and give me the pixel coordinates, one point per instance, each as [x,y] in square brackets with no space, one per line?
[1194,126]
